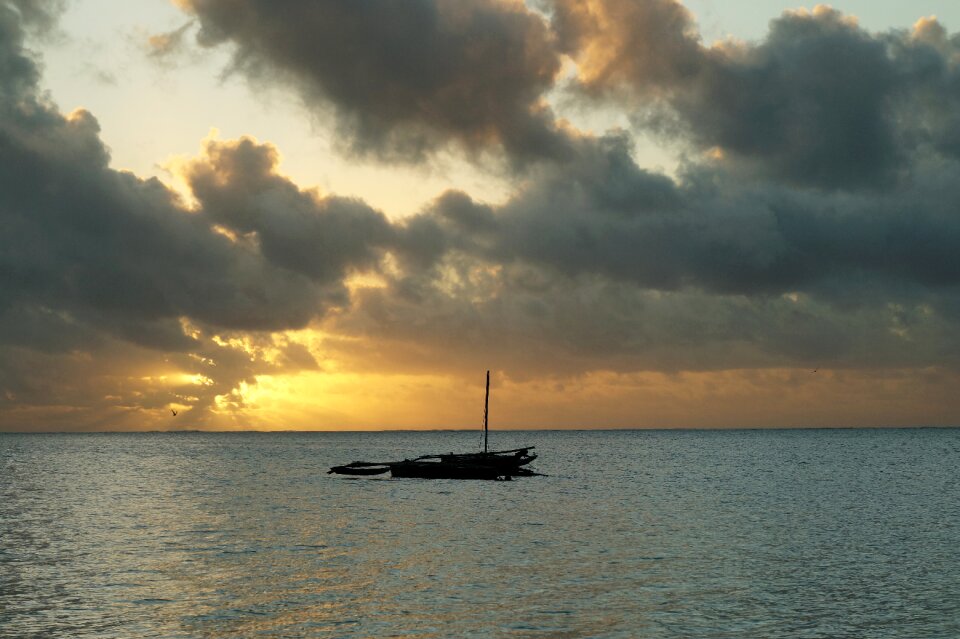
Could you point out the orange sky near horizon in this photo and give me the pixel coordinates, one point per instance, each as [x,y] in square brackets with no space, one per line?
[762,398]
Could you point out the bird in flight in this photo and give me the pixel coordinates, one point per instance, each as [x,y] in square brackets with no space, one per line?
[174,412]
[813,371]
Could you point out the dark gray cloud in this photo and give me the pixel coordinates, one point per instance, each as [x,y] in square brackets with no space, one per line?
[535,322]
[36,15]
[18,70]
[94,261]
[715,232]
[403,78]
[85,235]
[824,232]
[599,263]
[928,107]
[323,238]
[820,102]
[812,104]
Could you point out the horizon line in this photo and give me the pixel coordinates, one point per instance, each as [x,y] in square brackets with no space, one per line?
[469,430]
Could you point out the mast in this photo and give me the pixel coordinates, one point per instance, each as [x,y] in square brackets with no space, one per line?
[486,411]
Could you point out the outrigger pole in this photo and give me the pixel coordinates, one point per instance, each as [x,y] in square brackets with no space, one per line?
[486,411]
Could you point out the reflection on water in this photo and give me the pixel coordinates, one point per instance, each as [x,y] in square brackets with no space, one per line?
[634,534]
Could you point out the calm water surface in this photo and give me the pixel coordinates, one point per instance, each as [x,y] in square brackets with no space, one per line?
[805,533]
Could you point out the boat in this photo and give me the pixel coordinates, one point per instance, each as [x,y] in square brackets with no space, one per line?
[489,464]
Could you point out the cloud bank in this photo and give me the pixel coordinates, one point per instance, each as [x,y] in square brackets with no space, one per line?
[814,223]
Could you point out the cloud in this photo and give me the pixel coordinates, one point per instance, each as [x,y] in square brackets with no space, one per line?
[714,232]
[92,237]
[648,45]
[163,47]
[95,263]
[709,230]
[18,71]
[599,264]
[323,238]
[809,105]
[821,229]
[36,15]
[820,102]
[403,79]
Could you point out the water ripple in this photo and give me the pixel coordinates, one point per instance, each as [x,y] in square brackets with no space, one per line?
[774,534]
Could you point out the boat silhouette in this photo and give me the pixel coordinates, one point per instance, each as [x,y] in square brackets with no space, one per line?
[490,464]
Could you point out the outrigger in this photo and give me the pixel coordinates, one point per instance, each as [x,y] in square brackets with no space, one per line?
[490,464]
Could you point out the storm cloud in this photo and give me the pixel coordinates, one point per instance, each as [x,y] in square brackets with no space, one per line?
[600,263]
[820,102]
[403,78]
[816,219]
[322,238]
[94,261]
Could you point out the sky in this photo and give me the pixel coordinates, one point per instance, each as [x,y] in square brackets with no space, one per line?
[251,214]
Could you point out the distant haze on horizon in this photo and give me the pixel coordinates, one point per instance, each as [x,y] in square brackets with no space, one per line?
[245,214]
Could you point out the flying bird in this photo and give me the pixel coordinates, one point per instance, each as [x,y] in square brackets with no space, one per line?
[174,412]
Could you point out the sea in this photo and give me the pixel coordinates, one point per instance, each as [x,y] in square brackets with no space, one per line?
[693,533]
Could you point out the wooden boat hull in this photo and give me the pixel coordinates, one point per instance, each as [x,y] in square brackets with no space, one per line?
[497,460]
[441,470]
[358,470]
[490,465]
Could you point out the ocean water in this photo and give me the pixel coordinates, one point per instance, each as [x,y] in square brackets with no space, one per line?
[707,534]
